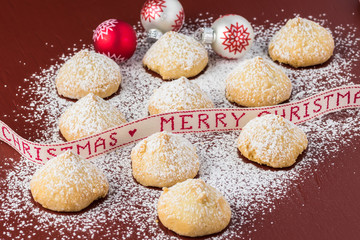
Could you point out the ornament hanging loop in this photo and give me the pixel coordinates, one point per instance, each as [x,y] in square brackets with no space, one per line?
[205,35]
[153,35]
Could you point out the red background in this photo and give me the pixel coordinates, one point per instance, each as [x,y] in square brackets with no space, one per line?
[325,206]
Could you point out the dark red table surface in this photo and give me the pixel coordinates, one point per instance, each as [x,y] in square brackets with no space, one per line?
[325,206]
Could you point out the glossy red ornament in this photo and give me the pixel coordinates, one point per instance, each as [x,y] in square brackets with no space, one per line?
[116,39]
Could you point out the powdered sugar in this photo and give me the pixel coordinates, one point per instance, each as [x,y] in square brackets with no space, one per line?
[88,72]
[301,42]
[68,183]
[272,140]
[175,54]
[180,94]
[129,211]
[163,159]
[90,115]
[193,208]
[257,82]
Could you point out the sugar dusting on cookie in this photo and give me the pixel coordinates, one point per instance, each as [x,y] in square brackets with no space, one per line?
[180,94]
[301,42]
[272,140]
[176,44]
[89,115]
[68,183]
[163,159]
[250,190]
[193,208]
[88,72]
[175,55]
[257,82]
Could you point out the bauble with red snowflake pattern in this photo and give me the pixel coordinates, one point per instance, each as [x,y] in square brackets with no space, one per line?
[230,36]
[116,39]
[161,16]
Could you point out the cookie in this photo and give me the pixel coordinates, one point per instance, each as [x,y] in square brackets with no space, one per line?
[88,72]
[68,183]
[164,159]
[272,140]
[257,82]
[193,208]
[175,55]
[180,94]
[301,43]
[89,115]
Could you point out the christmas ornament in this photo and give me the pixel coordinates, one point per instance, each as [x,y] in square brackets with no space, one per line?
[116,39]
[230,36]
[161,16]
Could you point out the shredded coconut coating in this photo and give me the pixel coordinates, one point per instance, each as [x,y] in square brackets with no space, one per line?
[272,140]
[88,116]
[68,183]
[257,82]
[193,208]
[301,42]
[88,72]
[175,55]
[177,95]
[164,159]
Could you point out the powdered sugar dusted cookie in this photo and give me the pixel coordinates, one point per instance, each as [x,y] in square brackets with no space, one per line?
[301,42]
[175,55]
[257,82]
[164,159]
[178,95]
[90,115]
[193,208]
[272,140]
[88,72]
[68,183]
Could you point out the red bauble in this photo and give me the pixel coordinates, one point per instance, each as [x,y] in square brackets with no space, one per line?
[116,39]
